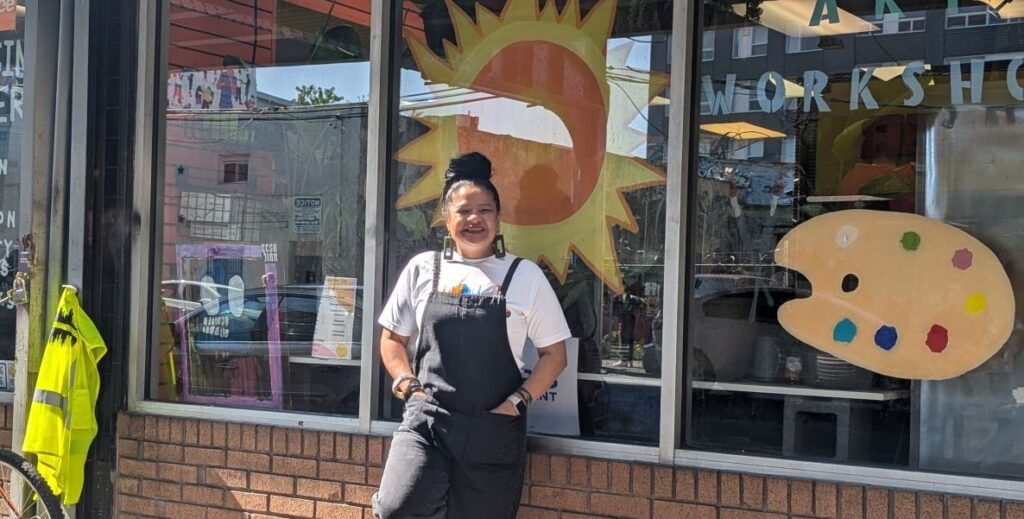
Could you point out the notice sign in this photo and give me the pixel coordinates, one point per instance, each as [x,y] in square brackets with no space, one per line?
[306,214]
[332,337]
[8,15]
[557,410]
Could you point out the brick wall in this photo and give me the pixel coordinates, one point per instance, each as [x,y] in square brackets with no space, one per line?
[194,469]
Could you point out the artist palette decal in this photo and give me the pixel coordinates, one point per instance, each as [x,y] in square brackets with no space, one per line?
[556,199]
[898,294]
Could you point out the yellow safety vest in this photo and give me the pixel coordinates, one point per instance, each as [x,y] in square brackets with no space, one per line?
[62,418]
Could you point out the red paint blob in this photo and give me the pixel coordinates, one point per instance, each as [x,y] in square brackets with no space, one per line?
[938,339]
[963,259]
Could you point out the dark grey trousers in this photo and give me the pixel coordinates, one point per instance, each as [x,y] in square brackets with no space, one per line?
[452,465]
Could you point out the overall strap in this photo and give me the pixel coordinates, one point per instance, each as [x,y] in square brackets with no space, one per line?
[437,270]
[508,277]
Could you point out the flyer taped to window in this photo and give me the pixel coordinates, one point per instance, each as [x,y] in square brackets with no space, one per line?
[332,337]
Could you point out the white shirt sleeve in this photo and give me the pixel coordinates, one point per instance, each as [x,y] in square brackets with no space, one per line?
[399,314]
[545,321]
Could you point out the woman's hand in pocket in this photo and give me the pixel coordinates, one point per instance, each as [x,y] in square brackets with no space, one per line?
[506,408]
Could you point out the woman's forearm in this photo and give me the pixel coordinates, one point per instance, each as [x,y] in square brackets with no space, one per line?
[550,364]
[394,353]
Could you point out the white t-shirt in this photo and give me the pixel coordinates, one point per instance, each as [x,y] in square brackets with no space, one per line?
[536,319]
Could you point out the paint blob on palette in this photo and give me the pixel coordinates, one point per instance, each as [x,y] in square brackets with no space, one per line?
[929,301]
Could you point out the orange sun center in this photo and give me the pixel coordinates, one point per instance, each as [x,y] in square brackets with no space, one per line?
[551,183]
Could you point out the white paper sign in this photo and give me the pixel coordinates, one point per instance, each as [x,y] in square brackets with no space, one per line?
[332,337]
[557,410]
[306,214]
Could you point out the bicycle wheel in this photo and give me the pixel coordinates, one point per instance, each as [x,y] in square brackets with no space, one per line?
[36,499]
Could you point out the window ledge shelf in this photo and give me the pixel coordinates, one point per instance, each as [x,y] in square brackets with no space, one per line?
[876,395]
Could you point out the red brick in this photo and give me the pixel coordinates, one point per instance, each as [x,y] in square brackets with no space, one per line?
[643,480]
[358,449]
[824,499]
[202,495]
[263,443]
[620,478]
[218,435]
[248,461]
[177,431]
[225,478]
[325,447]
[930,505]
[599,474]
[205,433]
[776,495]
[294,442]
[707,487]
[729,488]
[559,470]
[220,513]
[559,498]
[204,457]
[1013,510]
[138,469]
[346,472]
[359,494]
[729,513]
[248,437]
[294,466]
[672,510]
[234,432]
[136,427]
[753,491]
[191,432]
[801,497]
[373,475]
[292,506]
[877,503]
[579,475]
[135,505]
[161,490]
[375,451]
[685,485]
[984,509]
[539,468]
[248,501]
[310,444]
[529,512]
[162,452]
[178,473]
[337,511]
[570,515]
[163,429]
[958,507]
[620,506]
[317,489]
[150,428]
[127,448]
[279,440]
[904,504]
[271,483]
[851,502]
[182,510]
[128,485]
[342,447]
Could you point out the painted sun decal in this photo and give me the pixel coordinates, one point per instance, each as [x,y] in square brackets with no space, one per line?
[557,197]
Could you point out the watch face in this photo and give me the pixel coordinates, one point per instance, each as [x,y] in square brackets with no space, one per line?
[521,407]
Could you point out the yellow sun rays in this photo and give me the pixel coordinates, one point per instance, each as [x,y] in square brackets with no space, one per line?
[625,92]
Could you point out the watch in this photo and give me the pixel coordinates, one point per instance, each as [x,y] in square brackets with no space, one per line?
[518,404]
[398,381]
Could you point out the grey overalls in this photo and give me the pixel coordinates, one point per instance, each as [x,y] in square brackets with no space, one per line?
[451,457]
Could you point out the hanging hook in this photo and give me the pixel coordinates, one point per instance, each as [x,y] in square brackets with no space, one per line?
[72,288]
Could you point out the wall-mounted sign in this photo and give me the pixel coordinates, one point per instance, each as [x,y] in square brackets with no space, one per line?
[307,214]
[557,410]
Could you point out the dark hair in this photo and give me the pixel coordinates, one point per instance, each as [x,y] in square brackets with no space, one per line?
[469,169]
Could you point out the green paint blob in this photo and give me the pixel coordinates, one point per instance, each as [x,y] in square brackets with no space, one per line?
[910,241]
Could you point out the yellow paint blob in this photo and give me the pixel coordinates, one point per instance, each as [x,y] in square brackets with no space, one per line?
[975,303]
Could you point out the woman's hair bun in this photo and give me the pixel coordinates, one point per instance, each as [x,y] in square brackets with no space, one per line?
[468,166]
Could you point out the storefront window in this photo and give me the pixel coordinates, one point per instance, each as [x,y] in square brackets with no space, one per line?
[857,270]
[12,79]
[263,204]
[570,104]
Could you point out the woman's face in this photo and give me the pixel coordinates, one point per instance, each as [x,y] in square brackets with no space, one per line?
[472,221]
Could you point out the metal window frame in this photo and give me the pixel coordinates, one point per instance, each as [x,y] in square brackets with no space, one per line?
[674,382]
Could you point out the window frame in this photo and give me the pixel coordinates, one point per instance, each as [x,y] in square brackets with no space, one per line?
[896,21]
[736,39]
[675,383]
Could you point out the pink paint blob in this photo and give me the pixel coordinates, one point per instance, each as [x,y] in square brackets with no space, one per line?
[963,259]
[938,339]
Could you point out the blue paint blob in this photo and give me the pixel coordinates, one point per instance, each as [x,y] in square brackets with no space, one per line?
[886,337]
[845,331]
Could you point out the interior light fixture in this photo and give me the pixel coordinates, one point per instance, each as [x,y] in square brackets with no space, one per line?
[741,130]
[793,18]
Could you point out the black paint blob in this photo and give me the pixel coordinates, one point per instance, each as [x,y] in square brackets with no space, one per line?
[850,283]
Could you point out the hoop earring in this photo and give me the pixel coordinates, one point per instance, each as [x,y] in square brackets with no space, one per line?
[498,246]
[449,248]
